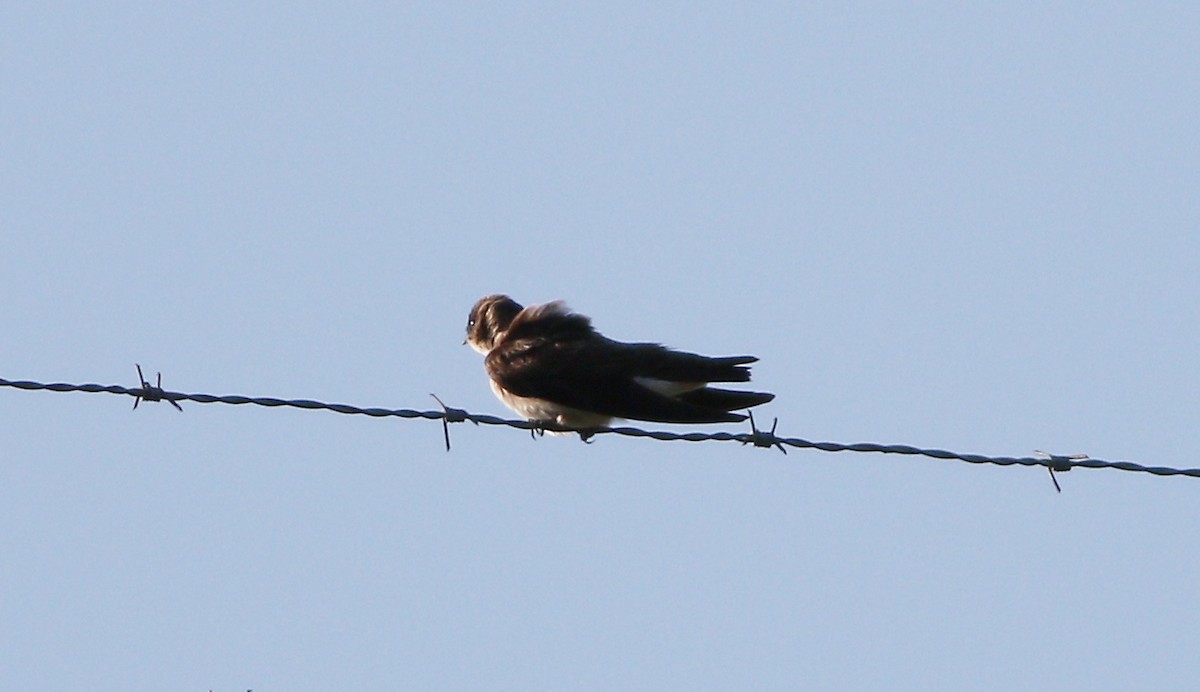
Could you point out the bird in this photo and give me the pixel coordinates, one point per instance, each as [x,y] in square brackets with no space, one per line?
[550,365]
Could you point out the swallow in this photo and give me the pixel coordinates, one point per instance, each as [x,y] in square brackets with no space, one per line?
[550,365]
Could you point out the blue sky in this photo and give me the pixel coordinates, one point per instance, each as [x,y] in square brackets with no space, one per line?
[972,227]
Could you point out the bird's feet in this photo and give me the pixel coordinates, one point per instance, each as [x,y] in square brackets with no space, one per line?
[539,426]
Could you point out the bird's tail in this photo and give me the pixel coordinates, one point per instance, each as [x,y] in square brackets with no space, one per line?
[724,399]
[680,366]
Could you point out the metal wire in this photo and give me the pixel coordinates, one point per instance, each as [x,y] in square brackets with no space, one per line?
[756,437]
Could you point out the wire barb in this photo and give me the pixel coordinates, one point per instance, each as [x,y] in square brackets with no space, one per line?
[152,393]
[760,438]
[1055,463]
[450,415]
[447,415]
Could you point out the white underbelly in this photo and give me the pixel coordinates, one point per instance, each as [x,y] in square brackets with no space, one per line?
[531,408]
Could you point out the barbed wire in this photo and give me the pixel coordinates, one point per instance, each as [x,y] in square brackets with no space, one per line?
[757,437]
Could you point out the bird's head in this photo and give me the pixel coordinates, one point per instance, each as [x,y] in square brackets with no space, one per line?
[488,321]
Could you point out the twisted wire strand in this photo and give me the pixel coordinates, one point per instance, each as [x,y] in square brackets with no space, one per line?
[756,437]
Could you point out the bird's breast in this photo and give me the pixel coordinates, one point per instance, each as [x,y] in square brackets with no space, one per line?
[532,408]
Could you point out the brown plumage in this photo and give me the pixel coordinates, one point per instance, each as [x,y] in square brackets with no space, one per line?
[548,363]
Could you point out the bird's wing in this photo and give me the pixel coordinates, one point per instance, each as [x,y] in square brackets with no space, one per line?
[595,374]
[658,362]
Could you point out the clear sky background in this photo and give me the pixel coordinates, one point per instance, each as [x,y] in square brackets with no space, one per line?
[967,226]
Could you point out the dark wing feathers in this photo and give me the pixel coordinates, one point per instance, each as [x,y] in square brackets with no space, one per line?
[560,358]
[725,399]
[596,389]
[660,362]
